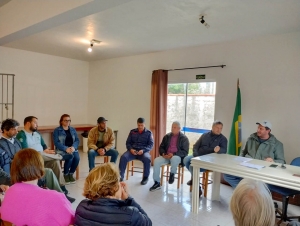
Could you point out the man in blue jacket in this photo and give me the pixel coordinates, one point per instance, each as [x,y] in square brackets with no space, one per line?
[139,143]
[210,142]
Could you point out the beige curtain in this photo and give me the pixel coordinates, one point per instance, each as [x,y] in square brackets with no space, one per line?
[158,110]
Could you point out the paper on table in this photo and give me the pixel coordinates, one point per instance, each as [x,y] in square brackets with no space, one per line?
[253,166]
[242,159]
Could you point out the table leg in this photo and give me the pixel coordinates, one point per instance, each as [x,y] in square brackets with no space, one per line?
[215,195]
[195,192]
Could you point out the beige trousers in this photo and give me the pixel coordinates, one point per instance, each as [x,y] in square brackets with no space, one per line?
[55,166]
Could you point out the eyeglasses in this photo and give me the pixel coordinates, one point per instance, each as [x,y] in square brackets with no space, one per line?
[67,120]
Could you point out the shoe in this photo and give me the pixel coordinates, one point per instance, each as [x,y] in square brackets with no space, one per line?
[71,179]
[71,200]
[171,178]
[144,181]
[121,179]
[63,188]
[155,186]
[66,176]
[190,182]
[200,192]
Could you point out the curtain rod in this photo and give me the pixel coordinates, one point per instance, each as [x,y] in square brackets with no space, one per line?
[189,68]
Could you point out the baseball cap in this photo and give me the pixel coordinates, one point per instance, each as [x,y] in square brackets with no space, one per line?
[101,119]
[265,123]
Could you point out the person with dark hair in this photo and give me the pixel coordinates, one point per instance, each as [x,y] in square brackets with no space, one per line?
[9,146]
[101,142]
[108,201]
[66,143]
[261,145]
[27,204]
[29,137]
[139,143]
[211,142]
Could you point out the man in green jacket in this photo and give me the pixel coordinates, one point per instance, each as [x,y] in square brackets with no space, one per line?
[261,145]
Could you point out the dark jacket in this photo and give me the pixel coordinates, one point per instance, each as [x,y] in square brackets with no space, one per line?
[207,142]
[272,148]
[140,141]
[183,145]
[105,211]
[8,151]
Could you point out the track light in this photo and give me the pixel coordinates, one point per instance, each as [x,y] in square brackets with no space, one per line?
[90,49]
[202,21]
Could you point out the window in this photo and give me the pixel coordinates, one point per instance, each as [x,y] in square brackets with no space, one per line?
[193,105]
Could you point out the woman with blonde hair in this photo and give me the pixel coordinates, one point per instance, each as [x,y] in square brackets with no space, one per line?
[27,204]
[108,201]
[252,205]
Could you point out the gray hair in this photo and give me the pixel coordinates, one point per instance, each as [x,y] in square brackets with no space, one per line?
[177,123]
[252,205]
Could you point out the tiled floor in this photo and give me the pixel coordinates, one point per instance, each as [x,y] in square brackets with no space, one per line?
[169,206]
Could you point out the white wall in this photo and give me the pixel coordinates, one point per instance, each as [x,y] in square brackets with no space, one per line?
[268,68]
[47,86]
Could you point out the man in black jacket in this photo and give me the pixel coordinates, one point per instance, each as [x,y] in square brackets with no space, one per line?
[173,148]
[210,142]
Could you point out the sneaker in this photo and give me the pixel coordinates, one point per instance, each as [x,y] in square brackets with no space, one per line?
[67,178]
[71,179]
[144,181]
[121,179]
[63,188]
[171,178]
[156,186]
[200,192]
[190,182]
[71,200]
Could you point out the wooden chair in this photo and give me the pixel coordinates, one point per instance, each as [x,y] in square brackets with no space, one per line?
[180,173]
[105,159]
[132,168]
[205,182]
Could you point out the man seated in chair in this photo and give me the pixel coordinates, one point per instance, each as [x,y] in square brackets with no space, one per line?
[29,137]
[261,145]
[139,143]
[173,148]
[210,142]
[101,142]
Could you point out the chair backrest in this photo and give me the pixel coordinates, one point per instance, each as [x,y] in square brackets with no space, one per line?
[296,162]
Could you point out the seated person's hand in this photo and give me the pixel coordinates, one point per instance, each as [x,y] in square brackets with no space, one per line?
[217,149]
[69,150]
[47,151]
[140,152]
[101,151]
[269,159]
[170,155]
[73,149]
[132,151]
[125,192]
[4,187]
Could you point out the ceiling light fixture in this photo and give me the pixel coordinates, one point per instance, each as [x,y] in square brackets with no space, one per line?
[202,21]
[90,49]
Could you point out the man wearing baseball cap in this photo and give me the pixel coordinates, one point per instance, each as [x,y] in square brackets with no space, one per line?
[261,145]
[101,141]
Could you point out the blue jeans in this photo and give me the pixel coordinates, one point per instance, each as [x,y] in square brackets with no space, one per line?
[159,161]
[187,163]
[232,180]
[127,157]
[92,154]
[71,162]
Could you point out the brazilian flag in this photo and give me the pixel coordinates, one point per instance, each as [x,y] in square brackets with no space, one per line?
[235,139]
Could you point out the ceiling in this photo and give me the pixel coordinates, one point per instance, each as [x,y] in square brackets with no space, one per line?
[129,27]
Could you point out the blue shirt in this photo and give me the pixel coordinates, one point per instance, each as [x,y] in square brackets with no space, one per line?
[140,141]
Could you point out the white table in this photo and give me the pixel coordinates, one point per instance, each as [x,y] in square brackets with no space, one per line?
[223,163]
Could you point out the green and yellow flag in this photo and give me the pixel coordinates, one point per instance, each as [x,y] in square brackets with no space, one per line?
[235,139]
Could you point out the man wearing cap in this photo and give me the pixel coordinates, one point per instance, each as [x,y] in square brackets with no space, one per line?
[101,141]
[261,145]
[139,143]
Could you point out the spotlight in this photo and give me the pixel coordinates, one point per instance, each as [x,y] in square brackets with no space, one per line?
[90,48]
[202,21]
